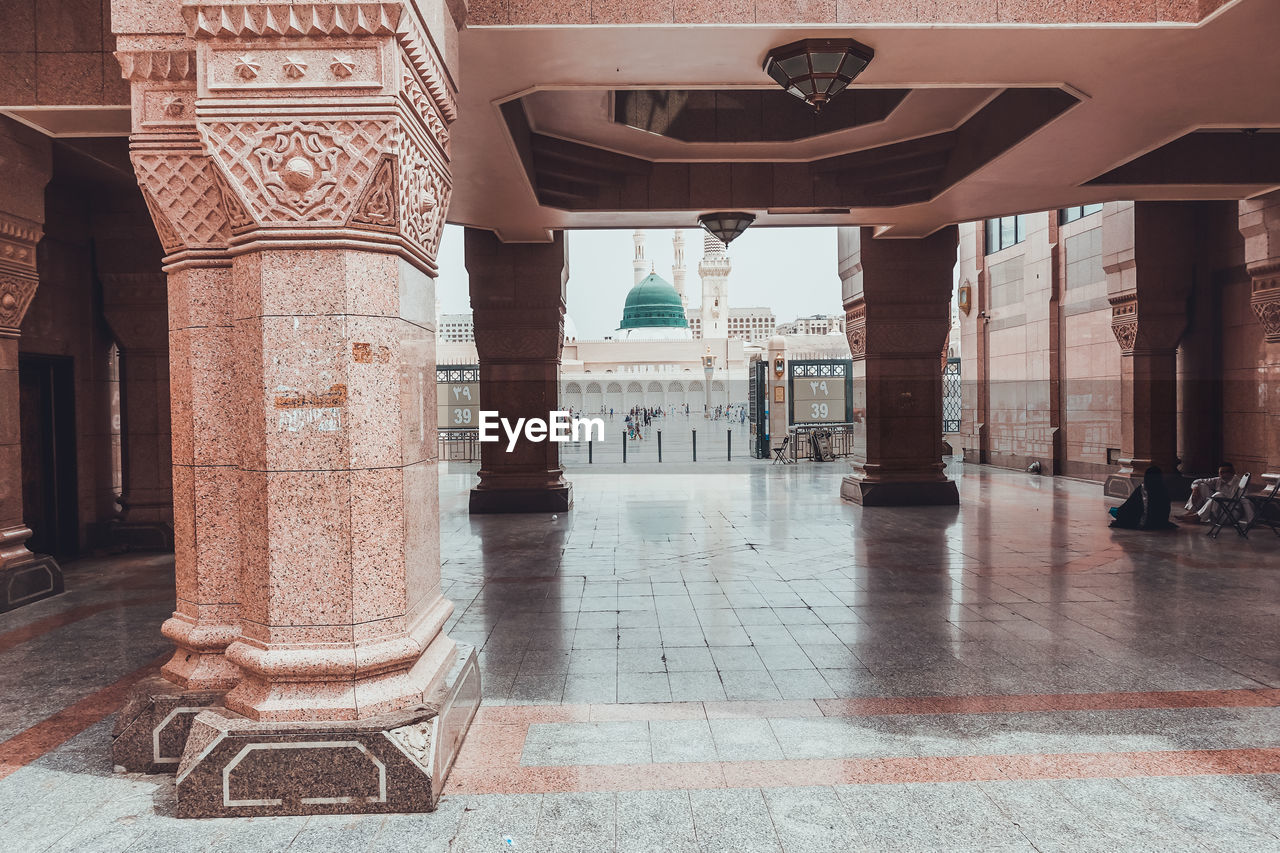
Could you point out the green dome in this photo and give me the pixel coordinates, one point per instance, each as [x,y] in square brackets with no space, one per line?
[653,303]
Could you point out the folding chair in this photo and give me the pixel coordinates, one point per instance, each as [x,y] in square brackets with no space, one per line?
[780,452]
[1226,509]
[1261,505]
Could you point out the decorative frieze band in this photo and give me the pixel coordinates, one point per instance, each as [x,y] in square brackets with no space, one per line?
[289,20]
[173,65]
[18,239]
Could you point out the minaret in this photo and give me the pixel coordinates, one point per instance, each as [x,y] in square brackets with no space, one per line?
[638,265]
[677,268]
[714,271]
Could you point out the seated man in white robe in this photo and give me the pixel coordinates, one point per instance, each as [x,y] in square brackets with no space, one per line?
[1201,508]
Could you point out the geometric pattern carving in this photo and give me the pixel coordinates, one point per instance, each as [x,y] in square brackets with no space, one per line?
[15,295]
[906,337]
[1126,335]
[518,344]
[157,64]
[855,323]
[1124,320]
[1266,305]
[287,19]
[182,193]
[424,195]
[425,107]
[237,216]
[293,172]
[379,207]
[169,238]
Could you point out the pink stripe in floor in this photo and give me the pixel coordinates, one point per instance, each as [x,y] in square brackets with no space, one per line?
[470,778]
[48,734]
[489,762]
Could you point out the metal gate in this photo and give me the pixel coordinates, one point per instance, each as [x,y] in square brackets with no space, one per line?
[951,396]
[758,407]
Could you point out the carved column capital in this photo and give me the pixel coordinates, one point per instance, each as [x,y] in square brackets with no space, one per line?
[1141,328]
[18,274]
[326,124]
[1265,301]
[855,327]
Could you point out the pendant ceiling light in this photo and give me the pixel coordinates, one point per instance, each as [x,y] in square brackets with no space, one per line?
[725,226]
[816,70]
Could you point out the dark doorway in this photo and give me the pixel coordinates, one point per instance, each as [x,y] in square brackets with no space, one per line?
[49,504]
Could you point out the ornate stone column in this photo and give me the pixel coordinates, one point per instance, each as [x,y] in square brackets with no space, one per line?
[24,576]
[1148,254]
[183,192]
[897,298]
[1260,226]
[518,301]
[322,153]
[135,305]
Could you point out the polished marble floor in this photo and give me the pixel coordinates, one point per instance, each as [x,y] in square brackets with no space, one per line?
[723,657]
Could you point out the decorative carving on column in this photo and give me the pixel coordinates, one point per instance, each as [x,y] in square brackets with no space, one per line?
[1265,301]
[24,577]
[855,324]
[15,295]
[1124,320]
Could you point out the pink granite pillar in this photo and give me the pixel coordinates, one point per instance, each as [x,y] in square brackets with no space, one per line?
[181,190]
[897,297]
[24,576]
[1260,226]
[322,156]
[135,305]
[1148,254]
[518,302]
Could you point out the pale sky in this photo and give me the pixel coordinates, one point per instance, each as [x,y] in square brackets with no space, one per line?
[791,270]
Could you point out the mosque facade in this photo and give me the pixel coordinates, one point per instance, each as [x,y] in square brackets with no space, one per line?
[658,355]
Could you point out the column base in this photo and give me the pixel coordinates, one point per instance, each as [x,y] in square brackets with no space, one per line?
[398,762]
[151,730]
[878,493]
[26,580]
[141,535]
[555,499]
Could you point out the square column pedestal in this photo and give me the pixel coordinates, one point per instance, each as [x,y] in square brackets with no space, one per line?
[393,762]
[897,296]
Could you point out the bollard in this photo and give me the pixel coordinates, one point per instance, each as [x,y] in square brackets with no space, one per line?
[729,435]
[695,445]
[589,451]
[624,445]
[659,445]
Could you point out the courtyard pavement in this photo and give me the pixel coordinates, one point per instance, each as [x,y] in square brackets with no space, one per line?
[724,657]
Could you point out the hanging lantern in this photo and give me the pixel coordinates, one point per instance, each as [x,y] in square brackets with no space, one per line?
[816,70]
[725,226]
